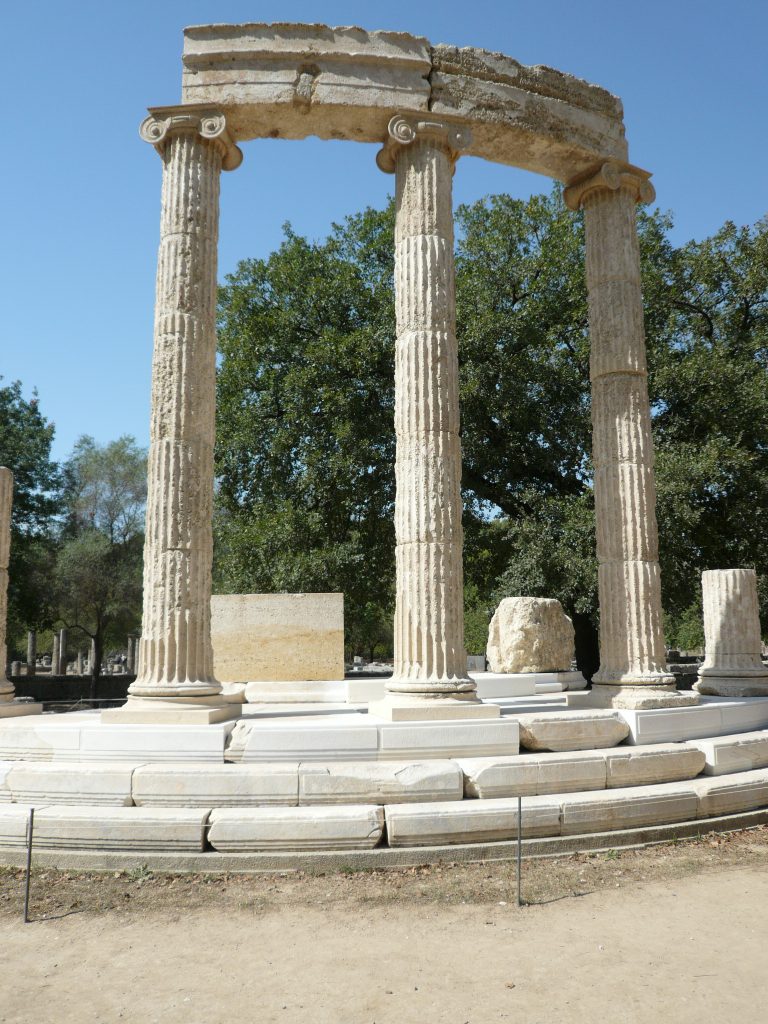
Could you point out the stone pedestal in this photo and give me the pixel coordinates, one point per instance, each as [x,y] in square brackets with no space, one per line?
[430,675]
[175,655]
[632,671]
[8,706]
[732,665]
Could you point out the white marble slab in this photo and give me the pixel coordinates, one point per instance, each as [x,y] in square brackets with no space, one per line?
[469,821]
[634,807]
[79,782]
[457,738]
[216,785]
[380,782]
[322,738]
[740,752]
[714,716]
[254,829]
[729,794]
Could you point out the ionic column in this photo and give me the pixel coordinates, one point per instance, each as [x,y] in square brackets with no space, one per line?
[175,656]
[6,503]
[732,665]
[430,659]
[632,670]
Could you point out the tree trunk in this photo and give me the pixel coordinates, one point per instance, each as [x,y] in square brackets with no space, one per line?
[587,645]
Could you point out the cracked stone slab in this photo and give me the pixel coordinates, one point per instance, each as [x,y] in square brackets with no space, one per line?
[380,782]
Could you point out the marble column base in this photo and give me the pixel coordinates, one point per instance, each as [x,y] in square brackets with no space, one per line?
[730,686]
[182,711]
[17,708]
[632,698]
[399,708]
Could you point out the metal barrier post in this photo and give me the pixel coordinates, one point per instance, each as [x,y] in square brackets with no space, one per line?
[30,827]
[519,847]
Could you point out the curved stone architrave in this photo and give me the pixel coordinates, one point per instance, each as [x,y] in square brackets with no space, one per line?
[292,81]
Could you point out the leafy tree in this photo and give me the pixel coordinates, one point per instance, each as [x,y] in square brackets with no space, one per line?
[97,580]
[25,448]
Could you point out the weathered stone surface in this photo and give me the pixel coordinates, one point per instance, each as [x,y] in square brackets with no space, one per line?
[5,793]
[106,828]
[532,774]
[469,821]
[291,81]
[400,740]
[643,766]
[175,654]
[530,634]
[331,738]
[275,637]
[733,666]
[714,716]
[571,730]
[628,808]
[357,827]
[379,783]
[80,783]
[732,793]
[216,785]
[738,753]
[631,630]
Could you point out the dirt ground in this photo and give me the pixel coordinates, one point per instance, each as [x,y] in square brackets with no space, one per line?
[671,934]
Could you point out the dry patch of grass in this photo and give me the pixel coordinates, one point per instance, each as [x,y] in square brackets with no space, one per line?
[141,891]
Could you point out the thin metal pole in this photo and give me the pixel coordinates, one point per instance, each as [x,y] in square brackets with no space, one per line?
[519,846]
[30,827]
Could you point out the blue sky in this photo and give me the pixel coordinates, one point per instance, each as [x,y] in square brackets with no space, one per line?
[80,191]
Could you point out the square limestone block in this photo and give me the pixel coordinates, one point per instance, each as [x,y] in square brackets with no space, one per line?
[216,785]
[379,782]
[39,739]
[729,794]
[740,753]
[72,783]
[14,819]
[405,740]
[645,765]
[571,730]
[533,774]
[322,738]
[628,808]
[121,828]
[469,821]
[255,829]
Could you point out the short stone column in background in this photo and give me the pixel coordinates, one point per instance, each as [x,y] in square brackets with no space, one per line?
[92,657]
[131,654]
[430,677]
[175,658]
[633,672]
[55,655]
[31,652]
[63,641]
[732,664]
[8,706]
[80,666]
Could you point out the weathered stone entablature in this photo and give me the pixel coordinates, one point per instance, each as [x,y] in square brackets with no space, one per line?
[202,120]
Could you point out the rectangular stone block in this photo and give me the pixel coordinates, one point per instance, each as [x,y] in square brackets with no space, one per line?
[714,716]
[216,785]
[120,828]
[20,739]
[72,783]
[628,808]
[277,637]
[325,738]
[469,821]
[746,791]
[532,774]
[5,793]
[571,730]
[643,766]
[296,828]
[400,741]
[736,753]
[13,824]
[155,742]
[379,782]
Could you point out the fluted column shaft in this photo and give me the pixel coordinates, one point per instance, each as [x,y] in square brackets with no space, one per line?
[430,659]
[6,504]
[733,665]
[175,654]
[629,583]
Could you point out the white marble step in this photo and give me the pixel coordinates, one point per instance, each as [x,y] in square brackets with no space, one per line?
[380,782]
[83,782]
[216,785]
[571,730]
[737,753]
[356,827]
[714,716]
[105,828]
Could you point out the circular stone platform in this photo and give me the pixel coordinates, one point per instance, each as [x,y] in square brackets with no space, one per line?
[331,785]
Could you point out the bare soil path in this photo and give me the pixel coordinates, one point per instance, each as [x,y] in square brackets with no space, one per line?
[673,934]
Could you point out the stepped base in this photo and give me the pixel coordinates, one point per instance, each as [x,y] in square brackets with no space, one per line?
[632,698]
[155,711]
[17,708]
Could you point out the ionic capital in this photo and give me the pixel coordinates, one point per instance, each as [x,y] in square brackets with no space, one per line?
[402,131]
[207,122]
[613,175]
